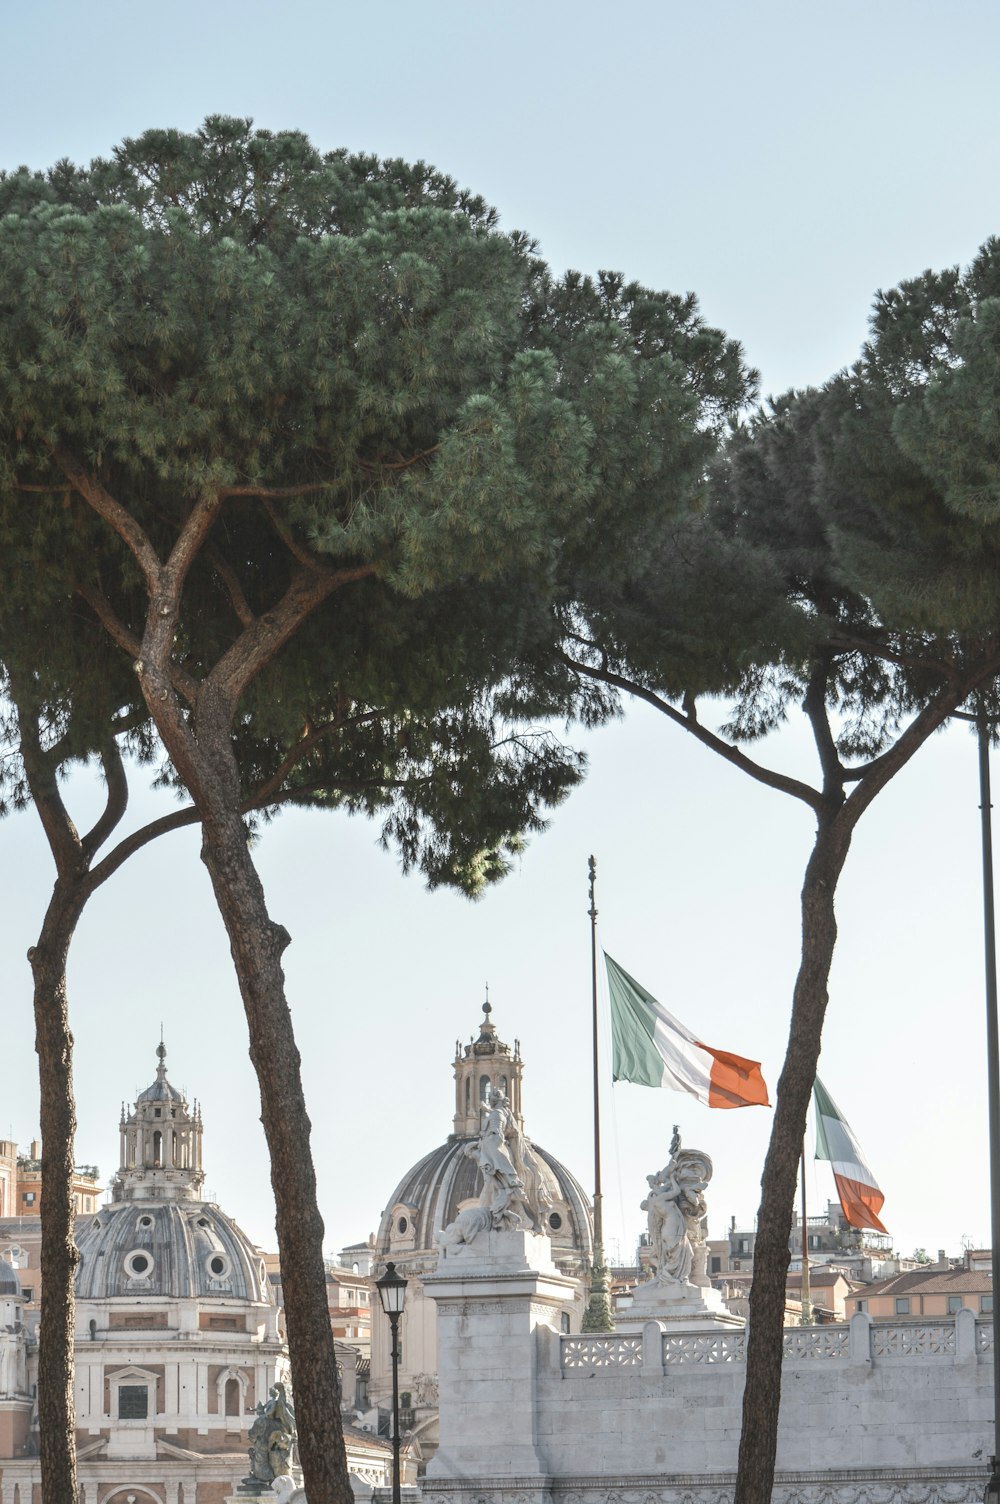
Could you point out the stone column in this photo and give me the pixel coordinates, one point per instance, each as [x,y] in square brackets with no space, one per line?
[492,1296]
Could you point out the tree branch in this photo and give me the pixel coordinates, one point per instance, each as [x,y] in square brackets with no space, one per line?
[230,580]
[927,721]
[120,519]
[40,770]
[310,740]
[843,643]
[258,643]
[185,684]
[297,550]
[114,806]
[276,493]
[731,754]
[814,705]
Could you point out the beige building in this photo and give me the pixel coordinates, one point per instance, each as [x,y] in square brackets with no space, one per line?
[178,1336]
[938,1290]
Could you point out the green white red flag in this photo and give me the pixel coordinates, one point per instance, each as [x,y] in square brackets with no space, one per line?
[649,1046]
[860,1198]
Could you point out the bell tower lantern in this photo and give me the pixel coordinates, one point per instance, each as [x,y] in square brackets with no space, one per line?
[485,1064]
[160,1144]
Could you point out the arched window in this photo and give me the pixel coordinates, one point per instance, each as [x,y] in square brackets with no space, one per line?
[157,1150]
[468,1093]
[484,1088]
[232,1397]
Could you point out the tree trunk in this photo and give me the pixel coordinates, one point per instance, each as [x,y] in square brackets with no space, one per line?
[59,1257]
[765,1338]
[257,944]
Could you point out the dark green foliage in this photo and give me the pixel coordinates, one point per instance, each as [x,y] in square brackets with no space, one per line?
[230,311]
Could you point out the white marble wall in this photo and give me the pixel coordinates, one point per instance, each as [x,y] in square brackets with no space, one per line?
[871,1413]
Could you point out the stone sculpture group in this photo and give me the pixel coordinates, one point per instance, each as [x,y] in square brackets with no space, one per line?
[514,1193]
[272,1439]
[675,1217]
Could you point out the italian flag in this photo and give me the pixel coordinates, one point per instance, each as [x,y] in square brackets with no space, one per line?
[860,1198]
[651,1048]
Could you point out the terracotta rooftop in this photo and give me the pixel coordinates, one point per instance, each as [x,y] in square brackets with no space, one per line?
[932,1282]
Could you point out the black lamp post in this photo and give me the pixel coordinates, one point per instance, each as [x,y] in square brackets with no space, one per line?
[392,1293]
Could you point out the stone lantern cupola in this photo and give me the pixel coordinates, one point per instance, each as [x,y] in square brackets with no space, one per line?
[160,1144]
[482,1065]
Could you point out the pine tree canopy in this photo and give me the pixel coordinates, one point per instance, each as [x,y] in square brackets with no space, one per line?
[360,374]
[851,531]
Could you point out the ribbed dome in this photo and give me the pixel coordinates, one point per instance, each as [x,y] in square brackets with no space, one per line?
[167,1250]
[161,1089]
[429,1196]
[10,1280]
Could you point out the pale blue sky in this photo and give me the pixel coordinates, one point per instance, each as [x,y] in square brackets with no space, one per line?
[782,160]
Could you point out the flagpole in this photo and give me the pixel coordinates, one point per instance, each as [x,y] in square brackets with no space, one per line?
[992,1073]
[597,1317]
[805,1317]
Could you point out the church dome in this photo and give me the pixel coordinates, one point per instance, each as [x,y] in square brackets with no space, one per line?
[158,1237]
[161,1089]
[169,1250]
[431,1194]
[10,1280]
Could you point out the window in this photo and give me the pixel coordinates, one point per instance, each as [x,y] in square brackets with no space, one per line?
[29,1197]
[902,1305]
[138,1265]
[955,1303]
[862,1305]
[133,1402]
[716,1265]
[232,1400]
[986,1303]
[28,1291]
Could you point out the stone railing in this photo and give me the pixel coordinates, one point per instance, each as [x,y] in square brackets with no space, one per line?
[601,1352]
[960,1338]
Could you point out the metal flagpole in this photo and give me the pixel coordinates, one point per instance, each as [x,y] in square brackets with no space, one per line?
[993,1073]
[805,1317]
[597,1317]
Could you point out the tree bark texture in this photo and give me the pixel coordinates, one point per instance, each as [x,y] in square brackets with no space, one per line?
[257,944]
[59,1256]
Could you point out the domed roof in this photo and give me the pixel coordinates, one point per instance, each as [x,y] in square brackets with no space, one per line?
[161,1089]
[10,1280]
[171,1249]
[430,1195]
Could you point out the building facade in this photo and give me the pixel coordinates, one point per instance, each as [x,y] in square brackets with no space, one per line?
[178,1334]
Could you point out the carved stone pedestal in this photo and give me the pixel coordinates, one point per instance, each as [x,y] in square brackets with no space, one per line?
[677,1308]
[497,1298]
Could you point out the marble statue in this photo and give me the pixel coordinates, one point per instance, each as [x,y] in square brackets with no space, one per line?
[514,1194]
[675,1214]
[272,1437]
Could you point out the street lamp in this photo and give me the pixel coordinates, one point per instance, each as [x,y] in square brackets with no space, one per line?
[392,1293]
